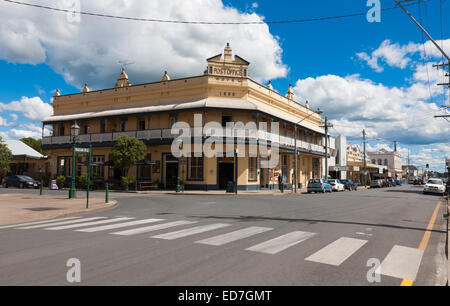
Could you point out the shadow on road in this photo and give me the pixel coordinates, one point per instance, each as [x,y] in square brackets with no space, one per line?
[310,221]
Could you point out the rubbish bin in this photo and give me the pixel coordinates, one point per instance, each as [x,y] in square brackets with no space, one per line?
[230,187]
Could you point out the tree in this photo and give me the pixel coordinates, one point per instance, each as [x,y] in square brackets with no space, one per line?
[36,144]
[126,152]
[5,156]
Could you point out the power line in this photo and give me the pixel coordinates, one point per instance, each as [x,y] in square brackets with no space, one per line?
[201,22]
[425,52]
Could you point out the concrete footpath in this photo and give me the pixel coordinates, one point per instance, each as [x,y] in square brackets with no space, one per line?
[222,192]
[21,208]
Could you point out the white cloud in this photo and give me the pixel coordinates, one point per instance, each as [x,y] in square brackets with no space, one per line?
[354,104]
[31,108]
[400,56]
[47,36]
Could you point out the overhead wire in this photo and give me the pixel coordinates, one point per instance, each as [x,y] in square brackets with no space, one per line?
[200,22]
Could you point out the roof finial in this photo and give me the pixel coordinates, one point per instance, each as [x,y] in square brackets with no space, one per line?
[165,77]
[290,94]
[270,85]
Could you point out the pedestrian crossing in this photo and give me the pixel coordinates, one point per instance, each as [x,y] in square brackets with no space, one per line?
[401,262]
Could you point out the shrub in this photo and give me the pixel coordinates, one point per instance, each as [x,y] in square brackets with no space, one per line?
[60,180]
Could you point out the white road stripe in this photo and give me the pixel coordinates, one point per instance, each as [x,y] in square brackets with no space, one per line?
[63,227]
[120,225]
[147,229]
[62,223]
[191,231]
[337,252]
[401,262]
[38,222]
[281,243]
[234,236]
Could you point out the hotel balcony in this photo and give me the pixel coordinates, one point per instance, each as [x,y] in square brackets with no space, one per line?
[164,136]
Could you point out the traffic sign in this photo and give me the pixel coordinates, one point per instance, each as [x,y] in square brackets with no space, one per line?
[82,150]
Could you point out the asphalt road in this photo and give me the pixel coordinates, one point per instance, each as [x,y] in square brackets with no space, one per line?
[316,239]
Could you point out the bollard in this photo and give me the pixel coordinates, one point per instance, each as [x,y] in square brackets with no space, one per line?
[106,197]
[41,187]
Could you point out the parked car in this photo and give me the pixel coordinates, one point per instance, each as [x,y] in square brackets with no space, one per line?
[383,183]
[376,184]
[349,185]
[411,180]
[398,182]
[390,182]
[418,181]
[336,185]
[434,185]
[318,185]
[20,181]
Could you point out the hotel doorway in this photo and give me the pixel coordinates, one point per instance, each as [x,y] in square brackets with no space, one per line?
[170,171]
[225,172]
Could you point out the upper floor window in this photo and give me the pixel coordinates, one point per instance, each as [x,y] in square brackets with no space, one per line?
[141,124]
[61,130]
[379,162]
[103,126]
[226,117]
[172,120]
[123,125]
[385,162]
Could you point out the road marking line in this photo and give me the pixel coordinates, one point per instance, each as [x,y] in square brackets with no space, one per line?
[114,226]
[234,236]
[147,229]
[426,238]
[406,283]
[62,223]
[401,262]
[281,243]
[63,227]
[38,222]
[337,252]
[191,231]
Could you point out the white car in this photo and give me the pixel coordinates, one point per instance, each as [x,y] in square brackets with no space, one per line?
[434,185]
[336,185]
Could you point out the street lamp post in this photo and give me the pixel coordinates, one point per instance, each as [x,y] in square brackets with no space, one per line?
[74,132]
[180,147]
[236,152]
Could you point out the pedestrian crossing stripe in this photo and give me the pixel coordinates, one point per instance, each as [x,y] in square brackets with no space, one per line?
[142,230]
[71,226]
[37,222]
[281,243]
[191,231]
[234,236]
[337,252]
[62,223]
[116,226]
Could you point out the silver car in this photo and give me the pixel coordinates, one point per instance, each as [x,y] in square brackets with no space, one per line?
[434,185]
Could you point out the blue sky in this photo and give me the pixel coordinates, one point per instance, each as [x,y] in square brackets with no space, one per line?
[363,75]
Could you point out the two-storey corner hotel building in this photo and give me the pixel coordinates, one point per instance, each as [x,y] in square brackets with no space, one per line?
[223,94]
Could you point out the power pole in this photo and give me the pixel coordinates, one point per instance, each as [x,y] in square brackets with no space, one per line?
[443,65]
[365,163]
[326,126]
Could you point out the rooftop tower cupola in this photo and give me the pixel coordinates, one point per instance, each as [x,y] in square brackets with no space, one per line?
[85,88]
[228,53]
[165,77]
[227,66]
[122,81]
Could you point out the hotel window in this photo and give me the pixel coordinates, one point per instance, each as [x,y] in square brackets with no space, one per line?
[141,124]
[102,126]
[245,72]
[195,168]
[379,162]
[123,124]
[97,165]
[144,171]
[172,120]
[226,117]
[252,169]
[61,130]
[210,69]
[85,128]
[374,161]
[385,162]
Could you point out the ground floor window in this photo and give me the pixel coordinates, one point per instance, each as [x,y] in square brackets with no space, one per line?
[64,166]
[195,168]
[98,169]
[252,168]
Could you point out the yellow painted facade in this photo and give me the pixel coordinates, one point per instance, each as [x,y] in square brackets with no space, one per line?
[225,92]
